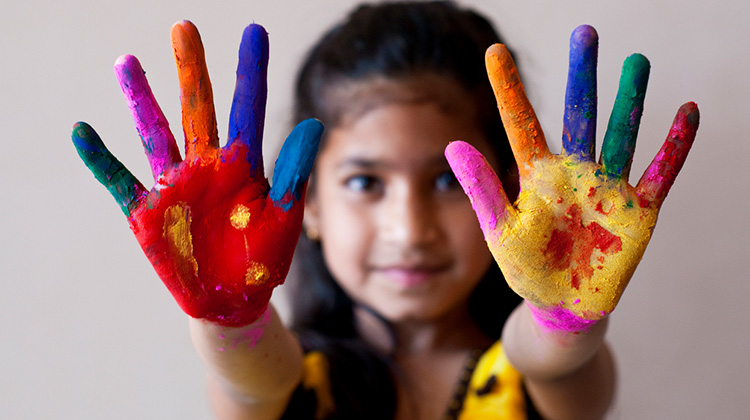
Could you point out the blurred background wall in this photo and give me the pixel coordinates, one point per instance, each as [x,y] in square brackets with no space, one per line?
[87,329]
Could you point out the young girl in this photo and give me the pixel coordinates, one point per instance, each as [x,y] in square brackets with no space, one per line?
[398,307]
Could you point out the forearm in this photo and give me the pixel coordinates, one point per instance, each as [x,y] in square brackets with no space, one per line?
[567,375]
[253,369]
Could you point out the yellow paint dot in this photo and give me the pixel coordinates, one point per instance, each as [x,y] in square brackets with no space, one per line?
[240,216]
[257,274]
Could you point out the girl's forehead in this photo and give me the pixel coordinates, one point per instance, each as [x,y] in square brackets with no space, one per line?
[350,99]
[400,134]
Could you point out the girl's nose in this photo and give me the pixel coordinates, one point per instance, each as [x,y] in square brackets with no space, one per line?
[409,219]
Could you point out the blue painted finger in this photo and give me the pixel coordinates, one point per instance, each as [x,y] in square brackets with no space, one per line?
[295,163]
[622,130]
[123,186]
[247,116]
[579,121]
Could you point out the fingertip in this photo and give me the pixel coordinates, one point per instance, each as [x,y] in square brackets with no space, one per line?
[496,54]
[637,62]
[126,60]
[460,151]
[691,113]
[585,36]
[182,26]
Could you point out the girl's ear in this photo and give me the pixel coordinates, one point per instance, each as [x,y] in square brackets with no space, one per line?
[311,221]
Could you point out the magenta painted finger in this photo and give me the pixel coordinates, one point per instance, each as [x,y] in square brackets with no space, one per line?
[661,173]
[481,184]
[158,141]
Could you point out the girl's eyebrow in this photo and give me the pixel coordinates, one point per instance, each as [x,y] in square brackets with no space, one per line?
[368,163]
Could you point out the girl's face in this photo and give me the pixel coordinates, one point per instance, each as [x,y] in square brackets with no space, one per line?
[397,231]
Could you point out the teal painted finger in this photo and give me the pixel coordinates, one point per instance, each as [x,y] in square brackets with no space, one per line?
[109,171]
[295,162]
[619,141]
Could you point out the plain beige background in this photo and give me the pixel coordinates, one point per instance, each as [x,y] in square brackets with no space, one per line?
[88,331]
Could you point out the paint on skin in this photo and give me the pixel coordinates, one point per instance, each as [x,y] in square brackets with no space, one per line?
[521,124]
[110,172]
[257,274]
[196,94]
[196,219]
[240,216]
[295,162]
[247,116]
[480,183]
[572,248]
[153,127]
[177,221]
[560,319]
[579,121]
[622,130]
[661,173]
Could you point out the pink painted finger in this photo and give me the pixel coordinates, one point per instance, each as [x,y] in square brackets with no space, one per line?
[521,124]
[158,141]
[661,173]
[481,184]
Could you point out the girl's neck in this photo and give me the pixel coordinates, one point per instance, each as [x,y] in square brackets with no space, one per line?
[455,333]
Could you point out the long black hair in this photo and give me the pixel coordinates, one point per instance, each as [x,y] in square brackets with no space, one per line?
[396,41]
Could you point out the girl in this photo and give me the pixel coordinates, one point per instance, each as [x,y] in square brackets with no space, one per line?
[399,307]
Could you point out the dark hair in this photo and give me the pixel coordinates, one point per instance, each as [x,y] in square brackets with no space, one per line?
[398,41]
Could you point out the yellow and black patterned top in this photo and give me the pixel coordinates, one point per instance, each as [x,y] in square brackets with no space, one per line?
[489,389]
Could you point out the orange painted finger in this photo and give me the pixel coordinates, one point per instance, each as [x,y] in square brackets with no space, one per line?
[524,132]
[196,95]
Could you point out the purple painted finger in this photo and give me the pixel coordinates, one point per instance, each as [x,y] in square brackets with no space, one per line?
[661,173]
[158,141]
[481,184]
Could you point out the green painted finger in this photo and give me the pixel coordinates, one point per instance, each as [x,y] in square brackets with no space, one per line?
[619,141]
[109,171]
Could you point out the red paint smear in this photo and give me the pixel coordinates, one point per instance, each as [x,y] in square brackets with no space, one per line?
[592,191]
[211,188]
[571,249]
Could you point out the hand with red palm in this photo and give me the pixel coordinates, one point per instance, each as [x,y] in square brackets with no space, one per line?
[217,235]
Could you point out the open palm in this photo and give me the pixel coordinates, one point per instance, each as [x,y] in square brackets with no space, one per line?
[217,235]
[573,238]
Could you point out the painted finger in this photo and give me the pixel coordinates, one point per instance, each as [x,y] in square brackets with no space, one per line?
[295,163]
[249,104]
[196,95]
[579,122]
[622,130]
[481,184]
[524,132]
[661,173]
[118,180]
[158,141]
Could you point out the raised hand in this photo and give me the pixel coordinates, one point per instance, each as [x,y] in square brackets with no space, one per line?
[218,237]
[573,238]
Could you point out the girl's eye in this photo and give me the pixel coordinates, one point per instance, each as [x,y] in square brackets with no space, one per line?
[446,181]
[362,183]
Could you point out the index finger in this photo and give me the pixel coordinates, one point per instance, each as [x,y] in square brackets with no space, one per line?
[523,129]
[196,95]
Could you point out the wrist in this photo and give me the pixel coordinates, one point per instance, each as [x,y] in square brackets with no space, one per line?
[560,320]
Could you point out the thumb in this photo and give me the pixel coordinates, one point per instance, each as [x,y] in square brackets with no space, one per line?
[481,184]
[295,162]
